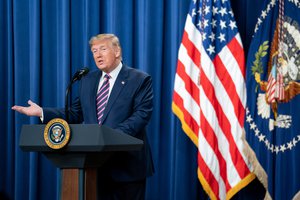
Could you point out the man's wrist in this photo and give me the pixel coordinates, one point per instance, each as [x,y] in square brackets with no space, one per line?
[42,115]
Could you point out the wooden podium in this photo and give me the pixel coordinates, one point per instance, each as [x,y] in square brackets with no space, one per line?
[89,147]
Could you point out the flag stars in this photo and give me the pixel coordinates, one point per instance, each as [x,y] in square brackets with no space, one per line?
[267,143]
[273,2]
[269,146]
[203,36]
[294,141]
[207,9]
[205,23]
[256,132]
[268,8]
[247,111]
[282,148]
[199,24]
[212,36]
[249,118]
[214,10]
[289,145]
[211,49]
[259,21]
[223,11]
[256,29]
[232,24]
[263,14]
[214,23]
[199,11]
[252,126]
[261,137]
[221,37]
[231,13]
[193,12]
[222,24]
[276,149]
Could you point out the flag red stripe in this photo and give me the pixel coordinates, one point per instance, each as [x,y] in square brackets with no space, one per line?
[225,125]
[189,120]
[230,88]
[208,175]
[272,92]
[238,52]
[271,85]
[192,50]
[212,140]
[190,86]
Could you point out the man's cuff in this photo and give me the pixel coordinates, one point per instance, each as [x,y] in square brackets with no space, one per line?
[42,117]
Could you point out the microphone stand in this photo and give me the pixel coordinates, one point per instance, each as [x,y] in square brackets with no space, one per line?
[67,101]
[77,76]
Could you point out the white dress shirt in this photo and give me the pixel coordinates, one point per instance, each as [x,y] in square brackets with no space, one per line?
[113,74]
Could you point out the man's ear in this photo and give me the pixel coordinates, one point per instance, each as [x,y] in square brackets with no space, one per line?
[118,52]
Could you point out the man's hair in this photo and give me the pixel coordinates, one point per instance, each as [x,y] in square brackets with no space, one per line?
[111,37]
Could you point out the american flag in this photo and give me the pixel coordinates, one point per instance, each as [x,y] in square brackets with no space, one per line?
[275,86]
[271,86]
[210,96]
[279,94]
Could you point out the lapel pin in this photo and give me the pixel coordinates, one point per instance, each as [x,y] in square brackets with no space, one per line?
[123,82]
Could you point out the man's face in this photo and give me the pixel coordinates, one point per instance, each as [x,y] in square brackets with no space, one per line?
[106,56]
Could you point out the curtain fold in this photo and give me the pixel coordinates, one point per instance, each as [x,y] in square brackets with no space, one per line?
[44,42]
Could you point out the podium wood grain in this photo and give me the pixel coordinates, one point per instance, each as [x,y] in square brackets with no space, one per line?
[70,184]
[90,184]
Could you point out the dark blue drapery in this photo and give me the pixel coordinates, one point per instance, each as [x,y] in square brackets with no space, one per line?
[43,42]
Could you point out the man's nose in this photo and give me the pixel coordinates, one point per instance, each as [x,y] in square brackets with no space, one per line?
[98,54]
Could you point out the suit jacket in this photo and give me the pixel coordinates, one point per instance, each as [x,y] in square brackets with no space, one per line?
[129,109]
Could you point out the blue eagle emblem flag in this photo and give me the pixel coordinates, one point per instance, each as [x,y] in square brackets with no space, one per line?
[273,96]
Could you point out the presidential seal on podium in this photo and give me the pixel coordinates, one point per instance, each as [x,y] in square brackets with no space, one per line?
[57,133]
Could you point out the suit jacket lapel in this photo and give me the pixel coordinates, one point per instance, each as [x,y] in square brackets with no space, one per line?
[121,81]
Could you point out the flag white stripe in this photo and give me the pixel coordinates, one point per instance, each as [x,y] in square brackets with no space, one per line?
[238,38]
[189,104]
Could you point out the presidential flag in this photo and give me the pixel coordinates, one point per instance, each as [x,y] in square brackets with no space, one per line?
[273,88]
[210,96]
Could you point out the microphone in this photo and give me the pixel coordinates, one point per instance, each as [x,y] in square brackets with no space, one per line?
[76,77]
[79,74]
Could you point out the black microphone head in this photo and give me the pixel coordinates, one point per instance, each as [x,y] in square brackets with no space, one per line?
[80,73]
[83,71]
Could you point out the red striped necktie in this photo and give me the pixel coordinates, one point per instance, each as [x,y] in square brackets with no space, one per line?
[102,97]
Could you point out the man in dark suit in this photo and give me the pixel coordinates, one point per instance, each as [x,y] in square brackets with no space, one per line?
[121,98]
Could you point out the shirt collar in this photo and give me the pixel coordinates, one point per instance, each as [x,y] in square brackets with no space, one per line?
[114,73]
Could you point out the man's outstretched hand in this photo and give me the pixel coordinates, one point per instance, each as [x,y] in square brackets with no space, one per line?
[32,110]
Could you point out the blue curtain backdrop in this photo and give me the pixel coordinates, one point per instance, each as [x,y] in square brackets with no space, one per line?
[42,44]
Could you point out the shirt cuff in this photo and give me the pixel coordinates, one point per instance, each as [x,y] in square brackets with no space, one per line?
[42,117]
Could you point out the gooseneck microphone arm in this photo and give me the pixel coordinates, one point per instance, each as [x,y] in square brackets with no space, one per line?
[77,76]
[67,101]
